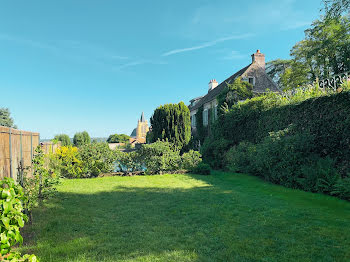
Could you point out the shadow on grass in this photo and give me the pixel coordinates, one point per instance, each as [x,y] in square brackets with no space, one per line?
[229,218]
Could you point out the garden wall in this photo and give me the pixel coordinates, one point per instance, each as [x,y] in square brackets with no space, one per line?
[14,146]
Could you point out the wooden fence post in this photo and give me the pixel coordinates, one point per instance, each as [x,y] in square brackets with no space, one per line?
[10,149]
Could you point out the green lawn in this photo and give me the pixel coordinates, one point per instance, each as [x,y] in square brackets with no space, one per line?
[222,217]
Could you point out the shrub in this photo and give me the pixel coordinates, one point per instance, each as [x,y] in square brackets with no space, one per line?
[40,184]
[323,115]
[130,161]
[160,156]
[342,188]
[319,176]
[213,151]
[202,169]
[12,219]
[287,159]
[68,162]
[96,158]
[239,158]
[191,159]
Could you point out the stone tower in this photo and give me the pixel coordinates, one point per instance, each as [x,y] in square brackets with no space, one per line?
[142,129]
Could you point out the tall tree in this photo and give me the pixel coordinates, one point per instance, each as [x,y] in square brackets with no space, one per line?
[5,118]
[288,73]
[81,138]
[326,48]
[335,8]
[171,122]
[64,139]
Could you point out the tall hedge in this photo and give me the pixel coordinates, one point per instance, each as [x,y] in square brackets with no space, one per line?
[326,118]
[171,122]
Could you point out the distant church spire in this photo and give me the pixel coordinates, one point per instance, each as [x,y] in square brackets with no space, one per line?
[142,117]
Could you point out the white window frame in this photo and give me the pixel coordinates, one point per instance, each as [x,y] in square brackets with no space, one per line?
[193,120]
[216,112]
[205,117]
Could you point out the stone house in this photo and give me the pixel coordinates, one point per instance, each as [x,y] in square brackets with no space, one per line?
[254,73]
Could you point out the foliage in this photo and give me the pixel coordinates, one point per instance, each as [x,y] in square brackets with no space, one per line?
[160,156]
[118,138]
[334,8]
[39,185]
[171,122]
[288,74]
[342,188]
[81,138]
[191,159]
[65,140]
[202,169]
[326,48]
[201,130]
[130,161]
[286,159]
[12,219]
[239,157]
[96,158]
[5,118]
[67,162]
[322,115]
[232,93]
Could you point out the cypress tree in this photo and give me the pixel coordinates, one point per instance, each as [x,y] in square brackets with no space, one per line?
[172,122]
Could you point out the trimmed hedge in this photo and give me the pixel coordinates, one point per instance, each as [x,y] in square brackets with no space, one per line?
[326,118]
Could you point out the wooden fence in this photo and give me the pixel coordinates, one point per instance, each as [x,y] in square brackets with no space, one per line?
[16,145]
[50,147]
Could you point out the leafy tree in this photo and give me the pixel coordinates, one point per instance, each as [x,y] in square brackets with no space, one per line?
[5,118]
[324,52]
[81,138]
[171,122]
[288,73]
[334,8]
[326,48]
[65,140]
[122,138]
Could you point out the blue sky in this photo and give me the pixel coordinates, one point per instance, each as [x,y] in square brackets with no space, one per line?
[68,66]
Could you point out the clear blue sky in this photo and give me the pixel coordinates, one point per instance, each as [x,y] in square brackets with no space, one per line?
[69,66]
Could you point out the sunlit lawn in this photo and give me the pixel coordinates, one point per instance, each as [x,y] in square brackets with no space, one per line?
[222,217]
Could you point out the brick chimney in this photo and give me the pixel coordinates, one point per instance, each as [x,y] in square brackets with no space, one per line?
[259,58]
[212,84]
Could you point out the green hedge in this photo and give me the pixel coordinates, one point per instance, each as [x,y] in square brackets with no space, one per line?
[326,118]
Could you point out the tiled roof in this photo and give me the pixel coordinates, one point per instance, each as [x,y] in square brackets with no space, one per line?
[217,90]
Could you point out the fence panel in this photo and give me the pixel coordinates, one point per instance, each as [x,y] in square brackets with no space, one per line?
[16,145]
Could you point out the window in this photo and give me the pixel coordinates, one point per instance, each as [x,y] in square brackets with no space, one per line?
[193,120]
[251,80]
[215,111]
[205,117]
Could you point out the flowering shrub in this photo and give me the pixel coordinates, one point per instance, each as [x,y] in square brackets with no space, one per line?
[69,165]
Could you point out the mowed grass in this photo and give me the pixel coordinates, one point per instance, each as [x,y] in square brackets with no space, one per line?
[222,217]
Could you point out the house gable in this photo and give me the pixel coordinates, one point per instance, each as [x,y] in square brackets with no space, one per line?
[256,71]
